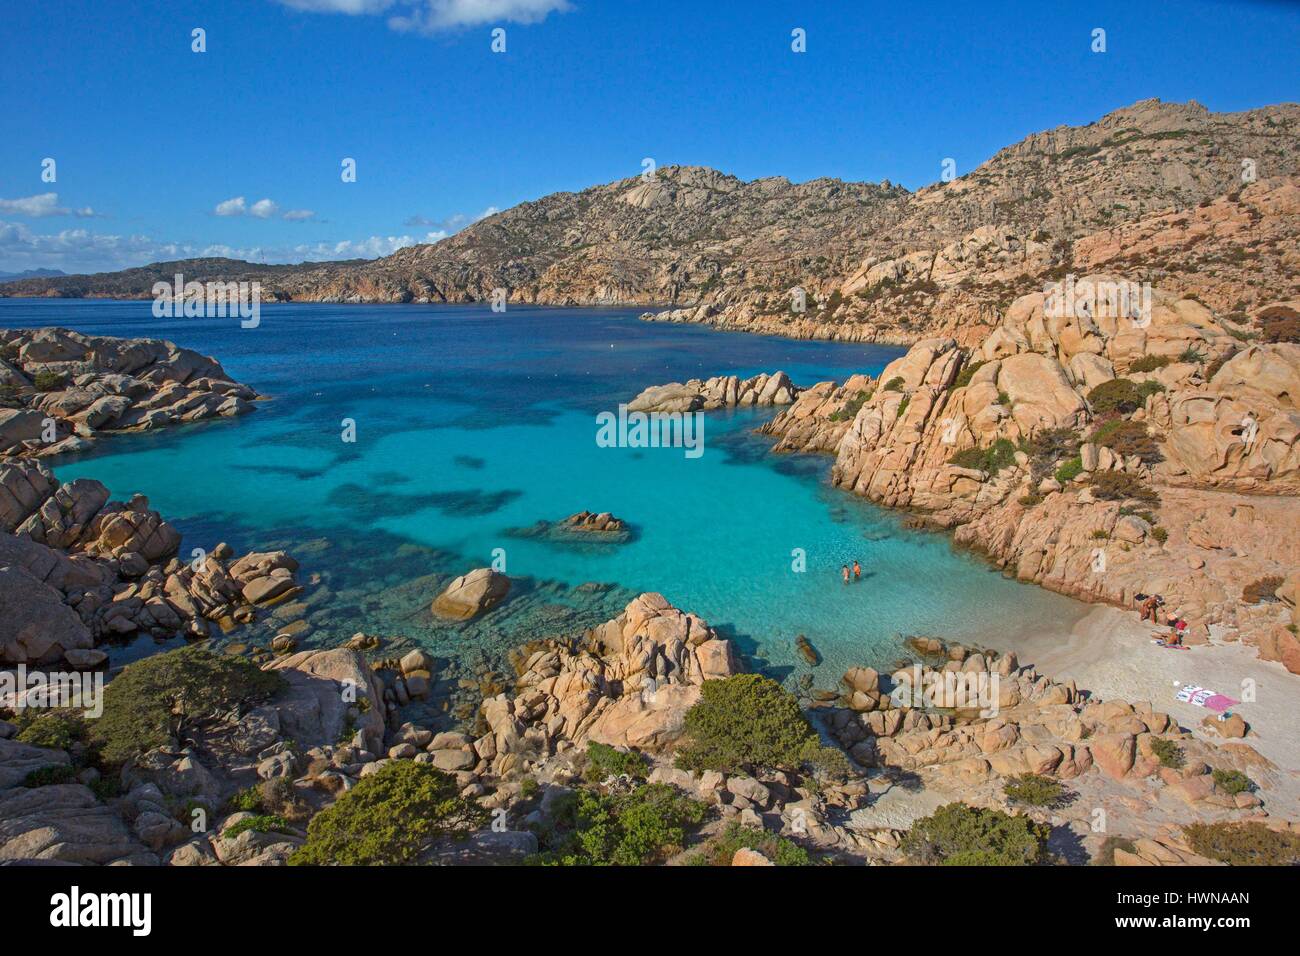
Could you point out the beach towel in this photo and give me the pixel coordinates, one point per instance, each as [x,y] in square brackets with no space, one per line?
[1204,697]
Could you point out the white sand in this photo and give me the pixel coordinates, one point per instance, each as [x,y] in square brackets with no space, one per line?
[1109,652]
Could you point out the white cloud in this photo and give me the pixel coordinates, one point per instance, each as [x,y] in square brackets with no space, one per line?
[263,209]
[43,204]
[231,207]
[433,16]
[79,250]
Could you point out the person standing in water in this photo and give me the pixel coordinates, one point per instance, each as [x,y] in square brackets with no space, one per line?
[845,571]
[857,570]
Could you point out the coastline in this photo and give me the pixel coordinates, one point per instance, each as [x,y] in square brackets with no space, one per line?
[1109,652]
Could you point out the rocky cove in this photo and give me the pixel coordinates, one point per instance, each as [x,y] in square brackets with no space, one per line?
[518,735]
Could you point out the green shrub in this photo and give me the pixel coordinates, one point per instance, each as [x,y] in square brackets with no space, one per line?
[58,729]
[47,776]
[989,460]
[1070,470]
[1128,438]
[852,407]
[960,835]
[260,823]
[162,696]
[644,827]
[9,352]
[1148,388]
[902,406]
[748,722]
[1034,789]
[1118,396]
[720,850]
[1118,486]
[966,374]
[1233,781]
[1149,363]
[895,384]
[1029,501]
[1244,844]
[1168,753]
[1004,399]
[249,800]
[388,818]
[529,787]
[47,381]
[604,761]
[1160,534]
[1192,355]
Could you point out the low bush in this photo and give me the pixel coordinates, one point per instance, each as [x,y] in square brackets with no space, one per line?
[604,761]
[1070,470]
[966,374]
[47,776]
[1192,355]
[989,460]
[1118,486]
[47,381]
[1034,790]
[260,823]
[1118,396]
[1233,781]
[749,722]
[388,818]
[1244,844]
[640,828]
[852,407]
[895,384]
[1168,753]
[1149,363]
[960,835]
[720,850]
[1127,438]
[58,729]
[160,697]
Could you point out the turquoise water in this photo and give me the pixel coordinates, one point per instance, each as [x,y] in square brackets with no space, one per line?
[470,423]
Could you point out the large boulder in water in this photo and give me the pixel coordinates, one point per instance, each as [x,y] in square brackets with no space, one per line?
[471,594]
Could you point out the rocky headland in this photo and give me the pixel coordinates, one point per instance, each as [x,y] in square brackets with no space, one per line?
[60,390]
[1095,454]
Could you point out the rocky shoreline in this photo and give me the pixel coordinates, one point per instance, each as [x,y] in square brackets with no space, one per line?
[60,390]
[609,714]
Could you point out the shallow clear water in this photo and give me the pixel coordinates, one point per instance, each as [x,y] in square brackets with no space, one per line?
[470,423]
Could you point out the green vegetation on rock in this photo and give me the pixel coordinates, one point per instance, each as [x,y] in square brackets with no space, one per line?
[640,828]
[749,722]
[960,835]
[388,818]
[158,698]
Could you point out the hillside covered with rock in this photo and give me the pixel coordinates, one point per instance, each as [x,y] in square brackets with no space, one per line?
[1200,203]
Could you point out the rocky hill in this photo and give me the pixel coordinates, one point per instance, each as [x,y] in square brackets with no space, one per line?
[1202,203]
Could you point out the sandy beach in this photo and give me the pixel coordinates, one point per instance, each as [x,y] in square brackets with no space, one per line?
[1109,652]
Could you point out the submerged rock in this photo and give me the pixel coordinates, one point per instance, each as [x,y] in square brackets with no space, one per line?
[471,594]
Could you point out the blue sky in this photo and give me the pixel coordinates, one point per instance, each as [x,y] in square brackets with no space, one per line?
[151,139]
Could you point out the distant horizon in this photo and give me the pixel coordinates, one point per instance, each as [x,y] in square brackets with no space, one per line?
[161,152]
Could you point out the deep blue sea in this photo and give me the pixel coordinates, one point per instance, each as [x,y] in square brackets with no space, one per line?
[470,423]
